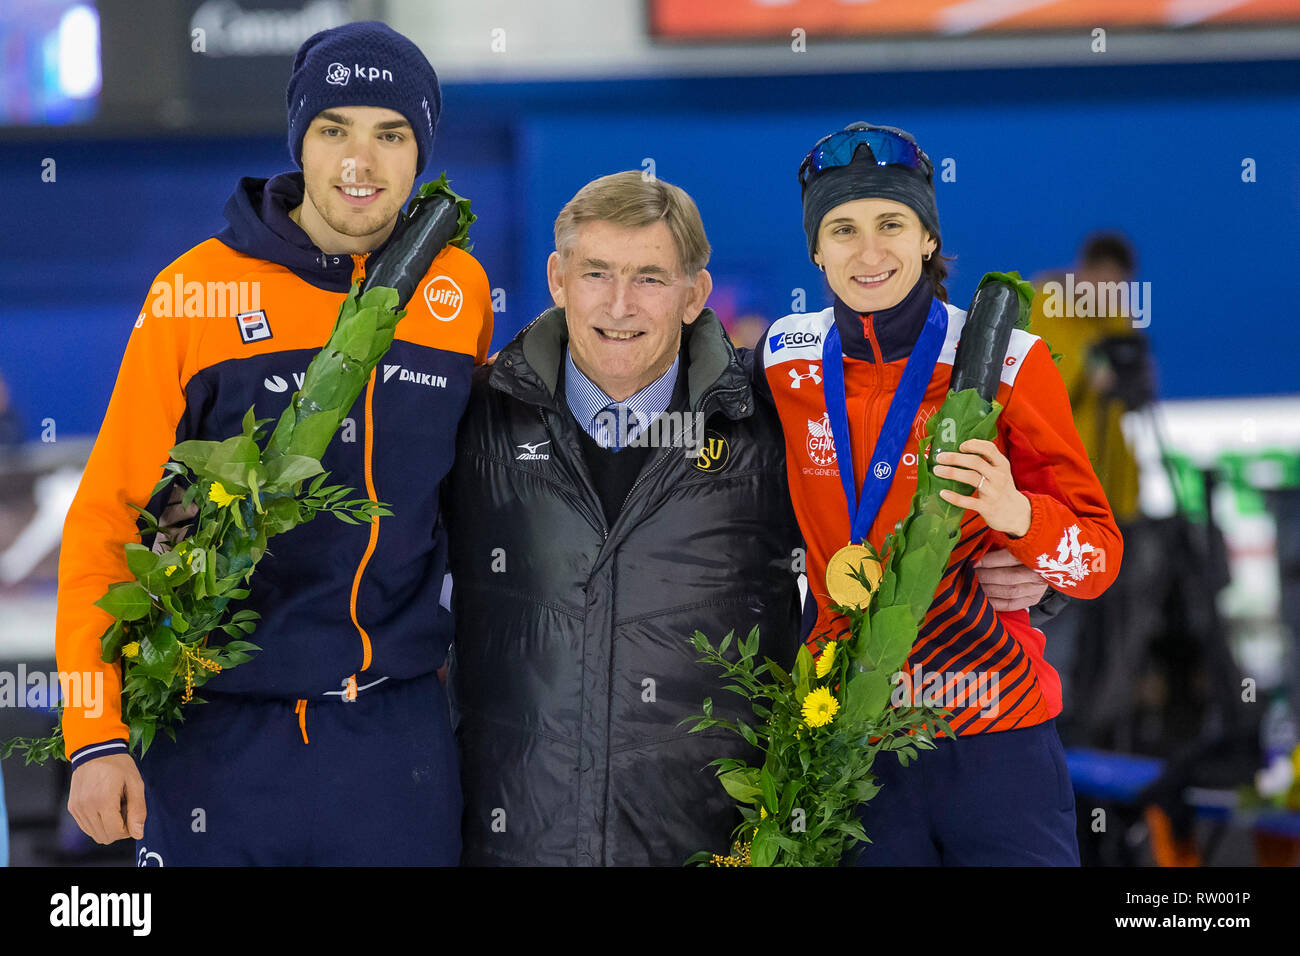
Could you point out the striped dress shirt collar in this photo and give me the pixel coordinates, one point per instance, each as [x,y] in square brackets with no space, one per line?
[587,400]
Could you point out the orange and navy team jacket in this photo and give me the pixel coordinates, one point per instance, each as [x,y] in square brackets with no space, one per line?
[986,668]
[232,324]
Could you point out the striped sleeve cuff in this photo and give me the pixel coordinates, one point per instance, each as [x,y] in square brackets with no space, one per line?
[92,751]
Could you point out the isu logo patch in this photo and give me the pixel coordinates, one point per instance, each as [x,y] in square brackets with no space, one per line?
[1067,567]
[820,443]
[444,298]
[714,453]
[253,326]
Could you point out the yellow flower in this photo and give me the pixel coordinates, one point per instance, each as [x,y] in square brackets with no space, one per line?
[762,813]
[221,496]
[825,661]
[169,571]
[819,708]
[131,650]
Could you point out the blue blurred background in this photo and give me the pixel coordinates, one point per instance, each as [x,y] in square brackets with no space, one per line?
[1041,157]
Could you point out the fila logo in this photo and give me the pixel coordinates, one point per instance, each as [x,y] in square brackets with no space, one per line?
[796,379]
[444,298]
[253,326]
[794,340]
[420,378]
[533,451]
[275,383]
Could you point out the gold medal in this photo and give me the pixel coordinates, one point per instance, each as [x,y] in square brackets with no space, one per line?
[841,584]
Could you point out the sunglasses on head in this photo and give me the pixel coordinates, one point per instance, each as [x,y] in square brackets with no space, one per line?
[888,146]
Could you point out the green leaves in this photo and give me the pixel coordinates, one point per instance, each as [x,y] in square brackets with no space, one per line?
[126,601]
[287,470]
[232,461]
[194,454]
[741,785]
[868,694]
[312,433]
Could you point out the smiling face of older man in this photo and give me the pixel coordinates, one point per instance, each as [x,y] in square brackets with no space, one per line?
[623,282]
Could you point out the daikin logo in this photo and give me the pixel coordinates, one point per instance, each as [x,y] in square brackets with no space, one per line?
[420,378]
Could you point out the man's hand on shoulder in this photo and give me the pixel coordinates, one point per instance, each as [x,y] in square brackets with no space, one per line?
[1009,585]
[107,799]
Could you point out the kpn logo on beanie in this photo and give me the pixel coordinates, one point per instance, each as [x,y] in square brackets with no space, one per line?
[339,74]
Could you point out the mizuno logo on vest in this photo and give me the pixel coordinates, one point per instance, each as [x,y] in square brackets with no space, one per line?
[533,451]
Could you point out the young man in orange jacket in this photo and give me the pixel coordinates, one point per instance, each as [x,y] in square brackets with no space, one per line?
[332,746]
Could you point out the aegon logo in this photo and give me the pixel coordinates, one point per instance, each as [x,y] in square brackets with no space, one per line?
[444,298]
[795,340]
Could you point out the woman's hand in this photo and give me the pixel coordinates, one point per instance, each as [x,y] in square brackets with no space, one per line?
[984,468]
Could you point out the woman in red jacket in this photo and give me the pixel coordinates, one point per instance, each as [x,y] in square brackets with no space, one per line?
[865,375]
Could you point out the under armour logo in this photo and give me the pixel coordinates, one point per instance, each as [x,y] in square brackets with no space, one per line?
[796,377]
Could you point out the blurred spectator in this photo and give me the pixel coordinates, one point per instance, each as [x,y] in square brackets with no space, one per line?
[746,331]
[1105,363]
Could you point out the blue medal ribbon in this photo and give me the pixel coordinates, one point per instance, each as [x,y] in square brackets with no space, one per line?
[898,420]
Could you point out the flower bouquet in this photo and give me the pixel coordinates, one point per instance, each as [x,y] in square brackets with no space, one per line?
[821,726]
[247,489]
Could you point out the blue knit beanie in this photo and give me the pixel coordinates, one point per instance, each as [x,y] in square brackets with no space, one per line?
[363,64]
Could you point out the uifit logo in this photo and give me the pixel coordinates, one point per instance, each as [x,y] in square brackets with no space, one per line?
[444,298]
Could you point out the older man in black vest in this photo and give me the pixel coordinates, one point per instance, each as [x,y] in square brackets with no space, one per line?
[616,487]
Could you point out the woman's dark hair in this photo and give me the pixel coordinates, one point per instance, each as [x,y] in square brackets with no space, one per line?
[936,270]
